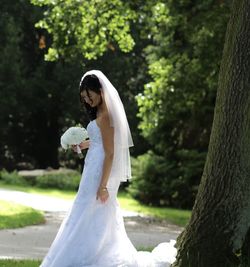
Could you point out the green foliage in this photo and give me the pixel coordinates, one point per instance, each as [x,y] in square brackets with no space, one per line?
[88,28]
[183,63]
[12,178]
[150,182]
[36,98]
[176,107]
[186,177]
[66,181]
[62,181]
[175,50]
[39,100]
[68,158]
[11,67]
[157,181]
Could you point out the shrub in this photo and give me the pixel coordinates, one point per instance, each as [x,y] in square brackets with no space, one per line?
[189,168]
[12,178]
[69,181]
[150,183]
[164,181]
[69,159]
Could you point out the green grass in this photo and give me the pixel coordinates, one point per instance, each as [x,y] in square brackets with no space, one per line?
[36,263]
[19,263]
[13,215]
[175,216]
[35,190]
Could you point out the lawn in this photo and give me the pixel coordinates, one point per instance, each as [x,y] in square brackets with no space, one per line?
[176,216]
[36,263]
[13,215]
[19,263]
[35,190]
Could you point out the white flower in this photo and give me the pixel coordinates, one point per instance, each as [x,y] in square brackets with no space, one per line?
[73,136]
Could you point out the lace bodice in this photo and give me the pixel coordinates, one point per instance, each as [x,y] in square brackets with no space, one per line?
[94,133]
[96,146]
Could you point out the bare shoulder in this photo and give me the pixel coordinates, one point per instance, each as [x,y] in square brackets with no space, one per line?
[104,121]
[107,133]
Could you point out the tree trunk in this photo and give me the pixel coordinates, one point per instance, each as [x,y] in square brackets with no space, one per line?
[218,234]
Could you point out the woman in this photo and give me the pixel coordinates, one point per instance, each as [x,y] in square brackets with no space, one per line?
[93,232]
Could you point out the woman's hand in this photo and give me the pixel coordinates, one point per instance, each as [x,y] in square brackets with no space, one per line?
[102,194]
[82,145]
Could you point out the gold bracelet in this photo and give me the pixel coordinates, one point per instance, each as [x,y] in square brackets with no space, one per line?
[104,188]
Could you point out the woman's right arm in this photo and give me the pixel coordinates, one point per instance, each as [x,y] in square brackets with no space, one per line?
[83,145]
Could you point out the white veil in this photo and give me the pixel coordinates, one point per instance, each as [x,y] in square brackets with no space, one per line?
[121,167]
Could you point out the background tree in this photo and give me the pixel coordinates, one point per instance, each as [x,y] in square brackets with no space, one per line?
[165,53]
[102,35]
[40,98]
[218,233]
[32,102]
[176,107]
[86,28]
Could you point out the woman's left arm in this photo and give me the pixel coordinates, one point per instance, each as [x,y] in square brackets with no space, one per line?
[107,133]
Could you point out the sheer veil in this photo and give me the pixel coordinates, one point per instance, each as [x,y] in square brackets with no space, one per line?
[121,167]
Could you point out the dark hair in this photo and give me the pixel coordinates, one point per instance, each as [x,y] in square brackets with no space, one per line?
[90,82]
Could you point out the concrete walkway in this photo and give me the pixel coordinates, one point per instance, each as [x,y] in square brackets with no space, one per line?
[34,241]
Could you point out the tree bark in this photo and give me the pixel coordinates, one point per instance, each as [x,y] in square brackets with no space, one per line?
[218,234]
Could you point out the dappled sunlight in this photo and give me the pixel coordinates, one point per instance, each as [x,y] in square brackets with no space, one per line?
[36,201]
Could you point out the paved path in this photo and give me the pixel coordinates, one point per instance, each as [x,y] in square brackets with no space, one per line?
[34,241]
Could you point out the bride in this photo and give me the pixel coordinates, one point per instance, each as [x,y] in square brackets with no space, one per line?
[93,234]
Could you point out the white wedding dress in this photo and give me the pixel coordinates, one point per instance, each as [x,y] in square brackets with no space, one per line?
[92,234]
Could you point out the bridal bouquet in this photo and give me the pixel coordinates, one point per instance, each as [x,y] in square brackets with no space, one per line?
[74,136]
